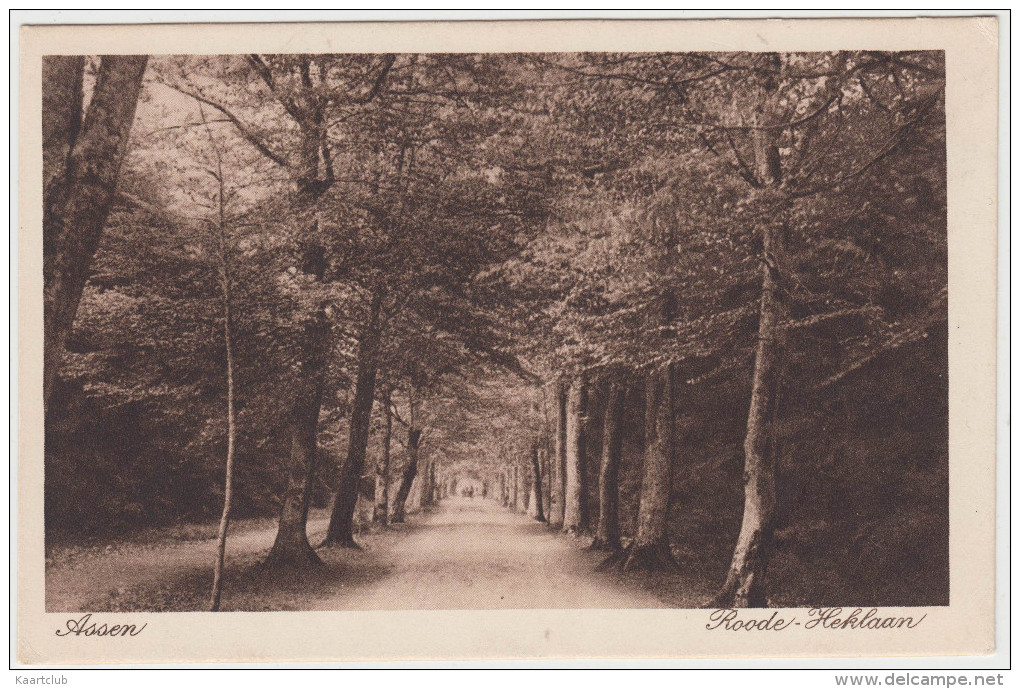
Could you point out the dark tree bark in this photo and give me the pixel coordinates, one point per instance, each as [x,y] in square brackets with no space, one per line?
[607,532]
[81,164]
[427,485]
[291,548]
[559,501]
[536,469]
[547,479]
[404,490]
[745,580]
[575,513]
[444,485]
[523,488]
[411,470]
[62,99]
[380,514]
[341,521]
[310,166]
[650,548]
[515,488]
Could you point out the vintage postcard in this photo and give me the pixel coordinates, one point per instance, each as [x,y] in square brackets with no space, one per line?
[507,340]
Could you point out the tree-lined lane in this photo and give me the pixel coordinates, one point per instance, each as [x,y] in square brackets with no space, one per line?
[462,554]
[473,554]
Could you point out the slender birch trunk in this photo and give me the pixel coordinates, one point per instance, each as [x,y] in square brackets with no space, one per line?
[226,290]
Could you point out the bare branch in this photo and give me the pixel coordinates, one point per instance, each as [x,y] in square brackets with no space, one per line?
[242,129]
[380,79]
[894,141]
[266,74]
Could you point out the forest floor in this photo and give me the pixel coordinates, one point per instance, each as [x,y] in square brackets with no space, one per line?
[462,554]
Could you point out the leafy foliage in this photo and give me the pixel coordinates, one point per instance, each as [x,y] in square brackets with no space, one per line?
[526,217]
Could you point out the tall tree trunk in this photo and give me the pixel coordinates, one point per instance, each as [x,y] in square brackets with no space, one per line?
[504,496]
[404,490]
[226,296]
[575,513]
[423,483]
[81,165]
[341,521]
[291,547]
[536,468]
[442,484]
[511,489]
[381,513]
[523,488]
[547,479]
[650,549]
[427,484]
[411,470]
[62,99]
[515,486]
[607,533]
[745,580]
[558,505]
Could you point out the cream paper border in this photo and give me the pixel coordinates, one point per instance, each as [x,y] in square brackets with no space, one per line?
[964,627]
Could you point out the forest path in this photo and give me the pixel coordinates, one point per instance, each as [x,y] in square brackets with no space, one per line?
[476,554]
[460,554]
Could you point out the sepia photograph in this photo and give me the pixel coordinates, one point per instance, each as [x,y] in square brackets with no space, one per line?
[495,330]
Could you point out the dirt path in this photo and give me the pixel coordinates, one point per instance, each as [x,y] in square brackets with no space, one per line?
[463,554]
[476,554]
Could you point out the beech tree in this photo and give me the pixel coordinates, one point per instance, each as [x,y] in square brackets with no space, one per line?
[307,91]
[536,487]
[575,516]
[490,268]
[558,504]
[607,532]
[774,134]
[381,508]
[82,154]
